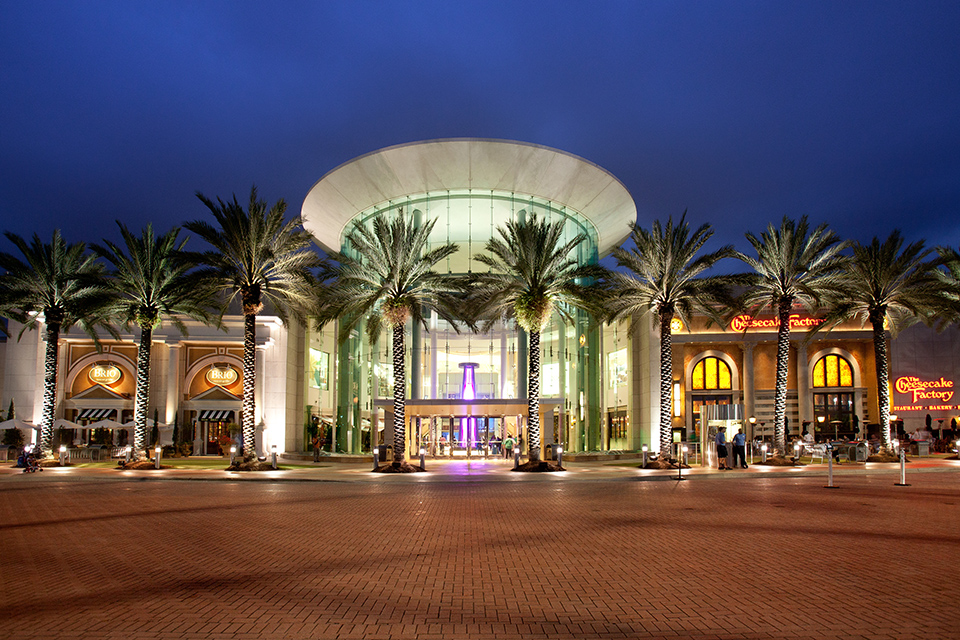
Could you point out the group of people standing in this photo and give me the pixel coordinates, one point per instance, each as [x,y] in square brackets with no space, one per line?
[739,443]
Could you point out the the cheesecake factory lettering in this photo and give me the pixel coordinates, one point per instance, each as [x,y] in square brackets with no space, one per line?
[745,323]
[940,390]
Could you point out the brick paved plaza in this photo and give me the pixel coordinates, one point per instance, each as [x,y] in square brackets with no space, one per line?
[714,557]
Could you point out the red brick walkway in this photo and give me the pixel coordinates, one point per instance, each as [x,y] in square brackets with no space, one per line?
[757,558]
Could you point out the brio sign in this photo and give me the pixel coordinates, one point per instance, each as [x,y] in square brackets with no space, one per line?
[940,390]
[104,374]
[745,322]
[221,375]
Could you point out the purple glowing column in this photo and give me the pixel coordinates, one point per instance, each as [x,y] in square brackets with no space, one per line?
[468,391]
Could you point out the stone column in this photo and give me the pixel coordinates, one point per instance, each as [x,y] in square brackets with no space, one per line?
[174,382]
[803,386]
[748,383]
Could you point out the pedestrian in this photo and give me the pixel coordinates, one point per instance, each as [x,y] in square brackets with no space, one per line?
[508,447]
[721,442]
[443,443]
[740,449]
[315,441]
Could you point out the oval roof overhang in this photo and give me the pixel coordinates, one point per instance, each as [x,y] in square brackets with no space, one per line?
[468,163]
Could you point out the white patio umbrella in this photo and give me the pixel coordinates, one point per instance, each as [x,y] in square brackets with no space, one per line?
[60,423]
[107,424]
[17,423]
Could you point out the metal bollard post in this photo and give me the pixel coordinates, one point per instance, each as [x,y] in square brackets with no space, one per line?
[156,451]
[903,471]
[63,454]
[376,457]
[559,456]
[516,459]
[830,484]
[680,458]
[127,452]
[763,453]
[233,454]
[423,459]
[644,449]
[273,452]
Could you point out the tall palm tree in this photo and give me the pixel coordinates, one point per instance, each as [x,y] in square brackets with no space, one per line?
[386,278]
[58,285]
[887,283]
[533,272]
[150,281]
[664,277]
[794,266]
[256,258]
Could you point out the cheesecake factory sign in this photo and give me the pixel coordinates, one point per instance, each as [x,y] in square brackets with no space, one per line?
[746,323]
[913,393]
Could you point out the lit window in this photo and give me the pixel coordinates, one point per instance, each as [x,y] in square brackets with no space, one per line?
[711,373]
[832,371]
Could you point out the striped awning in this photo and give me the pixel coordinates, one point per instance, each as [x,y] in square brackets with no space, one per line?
[215,415]
[97,414]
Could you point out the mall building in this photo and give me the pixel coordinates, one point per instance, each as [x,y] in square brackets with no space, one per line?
[599,385]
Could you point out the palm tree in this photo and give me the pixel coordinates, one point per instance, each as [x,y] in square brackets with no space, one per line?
[385,279]
[794,266]
[533,272]
[149,280]
[664,277]
[887,285]
[58,285]
[256,257]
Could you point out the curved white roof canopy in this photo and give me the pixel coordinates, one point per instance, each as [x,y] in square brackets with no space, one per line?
[435,166]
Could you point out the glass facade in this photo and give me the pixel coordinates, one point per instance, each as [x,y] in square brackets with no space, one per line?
[362,373]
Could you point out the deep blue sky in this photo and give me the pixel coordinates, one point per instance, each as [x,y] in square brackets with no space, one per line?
[741,112]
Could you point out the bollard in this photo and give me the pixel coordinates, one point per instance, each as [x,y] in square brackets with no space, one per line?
[423,459]
[644,449]
[763,453]
[156,451]
[376,457]
[273,452]
[516,459]
[233,454]
[63,454]
[830,484]
[680,464]
[127,452]
[559,456]
[903,471]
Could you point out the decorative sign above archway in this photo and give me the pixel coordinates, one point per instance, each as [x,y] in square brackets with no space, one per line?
[104,373]
[221,375]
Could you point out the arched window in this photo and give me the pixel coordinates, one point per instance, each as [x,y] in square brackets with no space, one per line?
[711,374]
[710,383]
[832,371]
[833,409]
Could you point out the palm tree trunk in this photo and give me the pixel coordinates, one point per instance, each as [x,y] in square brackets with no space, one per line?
[249,384]
[399,396]
[883,377]
[666,380]
[783,361]
[142,401]
[50,362]
[533,398]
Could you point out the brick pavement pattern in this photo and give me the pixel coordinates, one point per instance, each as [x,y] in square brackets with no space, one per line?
[706,559]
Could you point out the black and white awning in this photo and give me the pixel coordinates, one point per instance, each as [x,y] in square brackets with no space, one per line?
[97,414]
[215,415]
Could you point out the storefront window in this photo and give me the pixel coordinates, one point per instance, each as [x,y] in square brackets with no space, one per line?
[711,373]
[832,371]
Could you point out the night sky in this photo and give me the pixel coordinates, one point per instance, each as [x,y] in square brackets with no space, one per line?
[740,112]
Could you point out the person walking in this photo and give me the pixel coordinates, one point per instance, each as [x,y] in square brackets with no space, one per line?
[721,442]
[740,449]
[316,446]
[508,447]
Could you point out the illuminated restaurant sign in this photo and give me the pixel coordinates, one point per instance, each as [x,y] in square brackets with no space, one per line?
[221,375]
[104,374]
[745,322]
[937,390]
